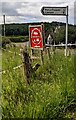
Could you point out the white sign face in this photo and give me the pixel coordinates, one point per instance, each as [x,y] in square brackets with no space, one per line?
[54,11]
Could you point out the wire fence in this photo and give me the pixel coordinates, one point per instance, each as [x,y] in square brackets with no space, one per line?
[4,71]
[12,52]
[14,68]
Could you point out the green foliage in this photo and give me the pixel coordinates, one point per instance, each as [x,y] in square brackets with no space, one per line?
[5,41]
[60,35]
[16,29]
[19,38]
[49,28]
[47,97]
[72,35]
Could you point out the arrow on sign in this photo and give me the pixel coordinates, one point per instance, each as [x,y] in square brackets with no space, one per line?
[53,11]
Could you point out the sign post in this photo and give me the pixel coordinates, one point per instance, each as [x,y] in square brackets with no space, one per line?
[4,23]
[66,30]
[58,11]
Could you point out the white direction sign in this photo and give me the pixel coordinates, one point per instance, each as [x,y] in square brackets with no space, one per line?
[58,11]
[54,11]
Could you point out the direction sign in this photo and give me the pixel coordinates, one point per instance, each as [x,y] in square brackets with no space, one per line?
[58,11]
[54,11]
[35,35]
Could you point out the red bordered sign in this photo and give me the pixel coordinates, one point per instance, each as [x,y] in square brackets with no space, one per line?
[36,36]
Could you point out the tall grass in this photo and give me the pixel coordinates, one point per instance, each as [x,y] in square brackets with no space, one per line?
[50,94]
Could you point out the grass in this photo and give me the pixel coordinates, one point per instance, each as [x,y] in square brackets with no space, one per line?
[51,94]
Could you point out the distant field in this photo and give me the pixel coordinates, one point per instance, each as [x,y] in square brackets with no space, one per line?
[51,93]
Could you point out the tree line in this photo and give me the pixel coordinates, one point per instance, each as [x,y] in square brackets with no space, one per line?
[56,29]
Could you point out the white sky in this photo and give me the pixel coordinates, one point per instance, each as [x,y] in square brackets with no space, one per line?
[22,11]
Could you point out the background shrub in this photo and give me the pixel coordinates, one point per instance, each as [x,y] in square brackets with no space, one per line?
[19,38]
[4,41]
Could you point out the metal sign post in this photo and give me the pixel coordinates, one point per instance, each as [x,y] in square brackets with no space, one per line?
[4,23]
[58,11]
[66,31]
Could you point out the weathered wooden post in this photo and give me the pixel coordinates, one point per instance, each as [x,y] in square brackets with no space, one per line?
[28,69]
[27,66]
[54,48]
[48,51]
[42,58]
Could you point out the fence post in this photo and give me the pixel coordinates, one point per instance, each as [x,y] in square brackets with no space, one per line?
[48,52]
[54,49]
[27,66]
[28,69]
[42,59]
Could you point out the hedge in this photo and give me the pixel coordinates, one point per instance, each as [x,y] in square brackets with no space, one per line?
[19,38]
[4,41]
[7,40]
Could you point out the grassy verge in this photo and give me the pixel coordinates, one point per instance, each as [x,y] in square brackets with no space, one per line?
[50,95]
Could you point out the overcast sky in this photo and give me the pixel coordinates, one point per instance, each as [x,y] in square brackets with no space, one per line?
[24,11]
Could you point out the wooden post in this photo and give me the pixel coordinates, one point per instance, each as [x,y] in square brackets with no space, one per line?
[54,49]
[51,49]
[32,52]
[42,60]
[27,66]
[48,52]
[28,69]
